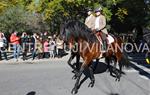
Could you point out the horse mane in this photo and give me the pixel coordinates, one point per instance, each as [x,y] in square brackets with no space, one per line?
[78,30]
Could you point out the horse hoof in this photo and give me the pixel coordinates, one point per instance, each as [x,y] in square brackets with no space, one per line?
[74,91]
[73,71]
[74,77]
[117,79]
[91,84]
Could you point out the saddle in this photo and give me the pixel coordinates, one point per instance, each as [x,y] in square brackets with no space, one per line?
[110,39]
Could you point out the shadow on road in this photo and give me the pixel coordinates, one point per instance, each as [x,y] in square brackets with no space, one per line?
[100,68]
[31,93]
[113,94]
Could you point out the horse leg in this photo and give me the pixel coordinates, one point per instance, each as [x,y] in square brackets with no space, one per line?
[112,69]
[95,65]
[70,59]
[76,86]
[115,69]
[107,60]
[72,66]
[120,70]
[92,77]
[78,65]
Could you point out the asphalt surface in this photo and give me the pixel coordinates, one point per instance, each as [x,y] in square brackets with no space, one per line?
[54,77]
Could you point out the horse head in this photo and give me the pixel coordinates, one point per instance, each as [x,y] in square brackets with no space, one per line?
[62,31]
[66,31]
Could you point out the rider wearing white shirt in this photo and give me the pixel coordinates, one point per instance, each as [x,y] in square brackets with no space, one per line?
[100,26]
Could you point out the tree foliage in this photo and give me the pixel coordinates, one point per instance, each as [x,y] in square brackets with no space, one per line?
[18,18]
[41,15]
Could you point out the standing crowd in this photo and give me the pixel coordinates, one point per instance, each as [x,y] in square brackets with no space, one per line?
[35,46]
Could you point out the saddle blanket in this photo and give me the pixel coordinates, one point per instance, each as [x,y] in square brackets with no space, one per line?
[110,39]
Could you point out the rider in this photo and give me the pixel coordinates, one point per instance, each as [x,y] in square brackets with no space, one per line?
[100,27]
[90,20]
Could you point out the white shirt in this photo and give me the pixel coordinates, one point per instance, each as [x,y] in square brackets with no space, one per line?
[1,42]
[97,23]
[52,45]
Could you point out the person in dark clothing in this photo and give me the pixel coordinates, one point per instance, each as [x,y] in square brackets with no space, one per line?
[34,41]
[24,41]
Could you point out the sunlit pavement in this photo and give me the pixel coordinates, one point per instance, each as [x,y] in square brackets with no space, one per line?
[54,77]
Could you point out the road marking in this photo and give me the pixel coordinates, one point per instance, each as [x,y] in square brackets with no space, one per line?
[134,71]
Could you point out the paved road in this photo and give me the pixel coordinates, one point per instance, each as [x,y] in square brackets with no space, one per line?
[53,77]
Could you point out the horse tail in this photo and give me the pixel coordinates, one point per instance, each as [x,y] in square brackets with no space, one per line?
[124,60]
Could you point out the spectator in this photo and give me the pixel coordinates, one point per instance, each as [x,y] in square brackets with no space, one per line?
[45,36]
[15,40]
[55,48]
[24,41]
[34,42]
[46,49]
[3,44]
[60,47]
[52,48]
[39,47]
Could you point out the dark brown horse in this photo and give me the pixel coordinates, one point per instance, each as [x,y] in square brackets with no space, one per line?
[89,49]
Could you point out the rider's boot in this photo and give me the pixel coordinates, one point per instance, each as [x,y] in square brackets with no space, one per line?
[104,47]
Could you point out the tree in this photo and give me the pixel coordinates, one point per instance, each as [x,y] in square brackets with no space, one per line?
[121,15]
[18,18]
